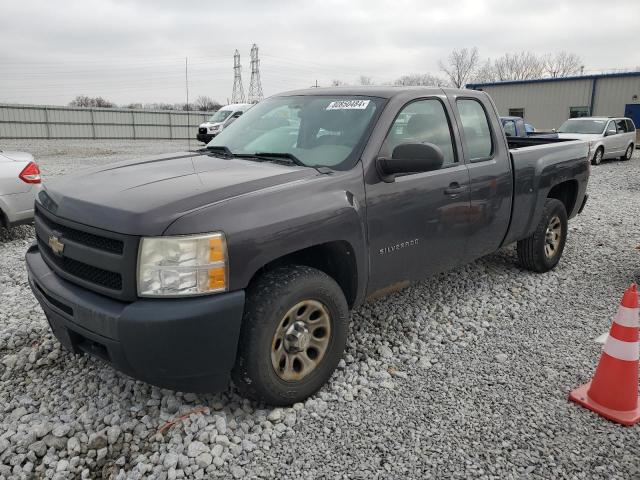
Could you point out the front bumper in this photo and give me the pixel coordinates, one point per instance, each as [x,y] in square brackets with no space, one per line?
[182,344]
[205,137]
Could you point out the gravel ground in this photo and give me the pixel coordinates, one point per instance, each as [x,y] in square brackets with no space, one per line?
[465,375]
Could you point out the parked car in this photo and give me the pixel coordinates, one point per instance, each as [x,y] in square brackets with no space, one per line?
[20,181]
[221,120]
[607,137]
[516,127]
[246,257]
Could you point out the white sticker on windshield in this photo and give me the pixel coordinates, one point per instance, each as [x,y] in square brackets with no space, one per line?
[348,105]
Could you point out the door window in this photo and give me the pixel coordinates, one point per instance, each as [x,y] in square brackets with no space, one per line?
[622,126]
[475,125]
[423,121]
[611,127]
[509,128]
[630,126]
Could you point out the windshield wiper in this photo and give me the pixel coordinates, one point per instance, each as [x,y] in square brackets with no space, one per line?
[283,155]
[221,150]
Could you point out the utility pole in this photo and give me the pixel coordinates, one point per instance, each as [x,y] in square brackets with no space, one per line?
[255,86]
[238,89]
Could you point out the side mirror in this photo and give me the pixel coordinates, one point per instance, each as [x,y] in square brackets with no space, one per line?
[410,158]
[554,130]
[610,132]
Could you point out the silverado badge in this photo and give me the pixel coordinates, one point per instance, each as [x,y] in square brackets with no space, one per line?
[56,245]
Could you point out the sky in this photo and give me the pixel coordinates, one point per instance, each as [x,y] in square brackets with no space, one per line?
[134,51]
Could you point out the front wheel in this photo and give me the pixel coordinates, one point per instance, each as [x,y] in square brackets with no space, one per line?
[597,157]
[293,334]
[628,153]
[541,252]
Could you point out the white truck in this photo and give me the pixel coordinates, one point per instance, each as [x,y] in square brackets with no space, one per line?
[221,120]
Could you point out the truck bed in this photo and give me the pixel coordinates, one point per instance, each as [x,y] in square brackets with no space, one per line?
[536,164]
[520,142]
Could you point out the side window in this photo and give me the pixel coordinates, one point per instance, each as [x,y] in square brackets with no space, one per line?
[422,121]
[477,134]
[510,128]
[622,125]
[630,126]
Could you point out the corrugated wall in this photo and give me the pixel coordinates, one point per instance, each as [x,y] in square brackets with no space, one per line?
[547,104]
[39,121]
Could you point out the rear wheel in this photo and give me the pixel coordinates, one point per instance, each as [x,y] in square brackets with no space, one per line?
[294,332]
[597,157]
[541,252]
[628,153]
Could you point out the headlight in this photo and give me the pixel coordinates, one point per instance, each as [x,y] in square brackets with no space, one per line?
[213,129]
[182,265]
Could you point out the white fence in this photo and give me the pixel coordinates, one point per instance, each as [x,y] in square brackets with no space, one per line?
[40,121]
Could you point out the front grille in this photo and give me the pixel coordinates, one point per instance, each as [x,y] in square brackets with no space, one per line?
[85,238]
[83,271]
[99,260]
[202,130]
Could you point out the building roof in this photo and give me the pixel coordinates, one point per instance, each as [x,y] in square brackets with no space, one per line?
[476,86]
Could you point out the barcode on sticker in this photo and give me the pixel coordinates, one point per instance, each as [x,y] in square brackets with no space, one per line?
[348,105]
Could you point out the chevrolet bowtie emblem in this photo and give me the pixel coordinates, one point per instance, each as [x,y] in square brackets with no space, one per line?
[56,245]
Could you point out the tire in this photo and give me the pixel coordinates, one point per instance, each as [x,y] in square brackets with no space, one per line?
[597,157]
[534,253]
[628,153]
[273,303]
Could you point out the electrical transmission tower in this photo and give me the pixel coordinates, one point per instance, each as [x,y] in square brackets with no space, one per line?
[238,89]
[255,87]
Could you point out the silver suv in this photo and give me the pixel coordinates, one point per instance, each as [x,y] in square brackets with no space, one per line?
[607,137]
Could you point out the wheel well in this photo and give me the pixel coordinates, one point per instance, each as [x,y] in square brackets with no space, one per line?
[336,259]
[566,192]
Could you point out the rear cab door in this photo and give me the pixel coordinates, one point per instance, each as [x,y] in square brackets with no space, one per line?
[417,224]
[486,154]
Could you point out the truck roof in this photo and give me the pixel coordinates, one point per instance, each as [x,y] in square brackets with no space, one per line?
[372,91]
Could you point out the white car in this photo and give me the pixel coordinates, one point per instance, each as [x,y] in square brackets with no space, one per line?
[607,137]
[221,120]
[20,182]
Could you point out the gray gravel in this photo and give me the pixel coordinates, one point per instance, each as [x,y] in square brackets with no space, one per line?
[464,375]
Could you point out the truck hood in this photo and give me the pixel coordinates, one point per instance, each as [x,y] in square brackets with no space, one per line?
[144,197]
[208,124]
[17,156]
[580,136]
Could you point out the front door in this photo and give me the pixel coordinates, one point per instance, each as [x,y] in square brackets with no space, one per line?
[417,224]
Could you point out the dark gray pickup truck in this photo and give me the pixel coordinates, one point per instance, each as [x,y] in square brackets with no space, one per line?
[244,259]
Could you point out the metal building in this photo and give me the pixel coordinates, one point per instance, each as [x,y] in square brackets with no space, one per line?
[546,103]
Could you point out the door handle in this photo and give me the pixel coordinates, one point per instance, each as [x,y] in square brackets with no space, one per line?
[454,188]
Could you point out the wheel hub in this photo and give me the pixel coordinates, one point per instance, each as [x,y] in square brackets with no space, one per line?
[300,340]
[552,237]
[296,338]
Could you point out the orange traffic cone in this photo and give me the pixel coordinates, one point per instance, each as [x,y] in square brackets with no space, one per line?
[613,391]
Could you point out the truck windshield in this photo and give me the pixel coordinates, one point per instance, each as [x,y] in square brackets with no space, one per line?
[319,130]
[583,126]
[219,116]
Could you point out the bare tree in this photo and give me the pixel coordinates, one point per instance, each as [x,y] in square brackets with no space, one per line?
[365,80]
[338,83]
[562,64]
[206,104]
[485,72]
[519,66]
[421,79]
[89,102]
[460,66]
